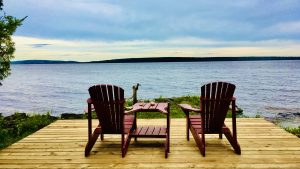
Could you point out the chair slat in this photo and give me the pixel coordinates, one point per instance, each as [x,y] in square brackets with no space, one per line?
[112,107]
[156,130]
[150,130]
[96,94]
[213,104]
[206,106]
[146,106]
[117,106]
[162,131]
[143,131]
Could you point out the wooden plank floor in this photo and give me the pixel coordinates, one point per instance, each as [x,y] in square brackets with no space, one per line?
[61,145]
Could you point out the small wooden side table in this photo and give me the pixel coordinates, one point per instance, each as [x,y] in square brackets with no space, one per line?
[153,131]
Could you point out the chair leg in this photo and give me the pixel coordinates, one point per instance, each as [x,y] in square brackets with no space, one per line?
[220,135]
[102,136]
[187,129]
[125,143]
[91,143]
[135,125]
[187,115]
[168,143]
[122,145]
[234,143]
[199,141]
[166,147]
[203,143]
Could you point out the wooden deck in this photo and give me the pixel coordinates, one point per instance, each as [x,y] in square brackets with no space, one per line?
[61,145]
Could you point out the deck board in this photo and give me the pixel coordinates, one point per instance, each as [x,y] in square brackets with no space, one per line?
[61,145]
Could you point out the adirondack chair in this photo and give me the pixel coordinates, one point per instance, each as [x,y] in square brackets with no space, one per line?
[215,100]
[108,102]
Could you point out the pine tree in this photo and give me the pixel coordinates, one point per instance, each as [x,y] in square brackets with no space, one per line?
[8,25]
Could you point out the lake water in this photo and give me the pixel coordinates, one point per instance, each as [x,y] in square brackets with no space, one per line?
[263,87]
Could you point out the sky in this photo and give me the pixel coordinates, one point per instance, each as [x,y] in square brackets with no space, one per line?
[89,30]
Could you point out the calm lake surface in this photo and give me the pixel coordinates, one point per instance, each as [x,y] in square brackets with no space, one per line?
[263,87]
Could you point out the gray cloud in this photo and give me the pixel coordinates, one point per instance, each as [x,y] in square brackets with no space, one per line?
[229,20]
[39,45]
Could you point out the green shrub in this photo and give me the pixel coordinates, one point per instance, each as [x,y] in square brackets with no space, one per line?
[20,125]
[4,137]
[295,131]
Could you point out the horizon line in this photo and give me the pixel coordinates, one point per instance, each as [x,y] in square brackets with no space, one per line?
[162,59]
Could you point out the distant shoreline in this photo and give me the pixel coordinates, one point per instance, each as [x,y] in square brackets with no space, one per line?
[165,59]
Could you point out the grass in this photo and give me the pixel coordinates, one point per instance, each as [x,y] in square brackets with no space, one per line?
[295,131]
[175,110]
[19,125]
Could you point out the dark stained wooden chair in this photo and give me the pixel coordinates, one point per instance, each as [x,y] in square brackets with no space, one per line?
[108,102]
[215,100]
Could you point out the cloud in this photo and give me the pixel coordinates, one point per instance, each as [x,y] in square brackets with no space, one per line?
[95,8]
[291,27]
[157,20]
[176,47]
[39,45]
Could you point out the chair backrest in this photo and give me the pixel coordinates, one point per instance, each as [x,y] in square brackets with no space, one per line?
[108,101]
[215,101]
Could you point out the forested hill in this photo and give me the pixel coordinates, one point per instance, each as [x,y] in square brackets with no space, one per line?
[195,59]
[164,59]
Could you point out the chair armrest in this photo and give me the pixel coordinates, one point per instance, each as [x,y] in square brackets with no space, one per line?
[237,109]
[131,111]
[89,101]
[187,107]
